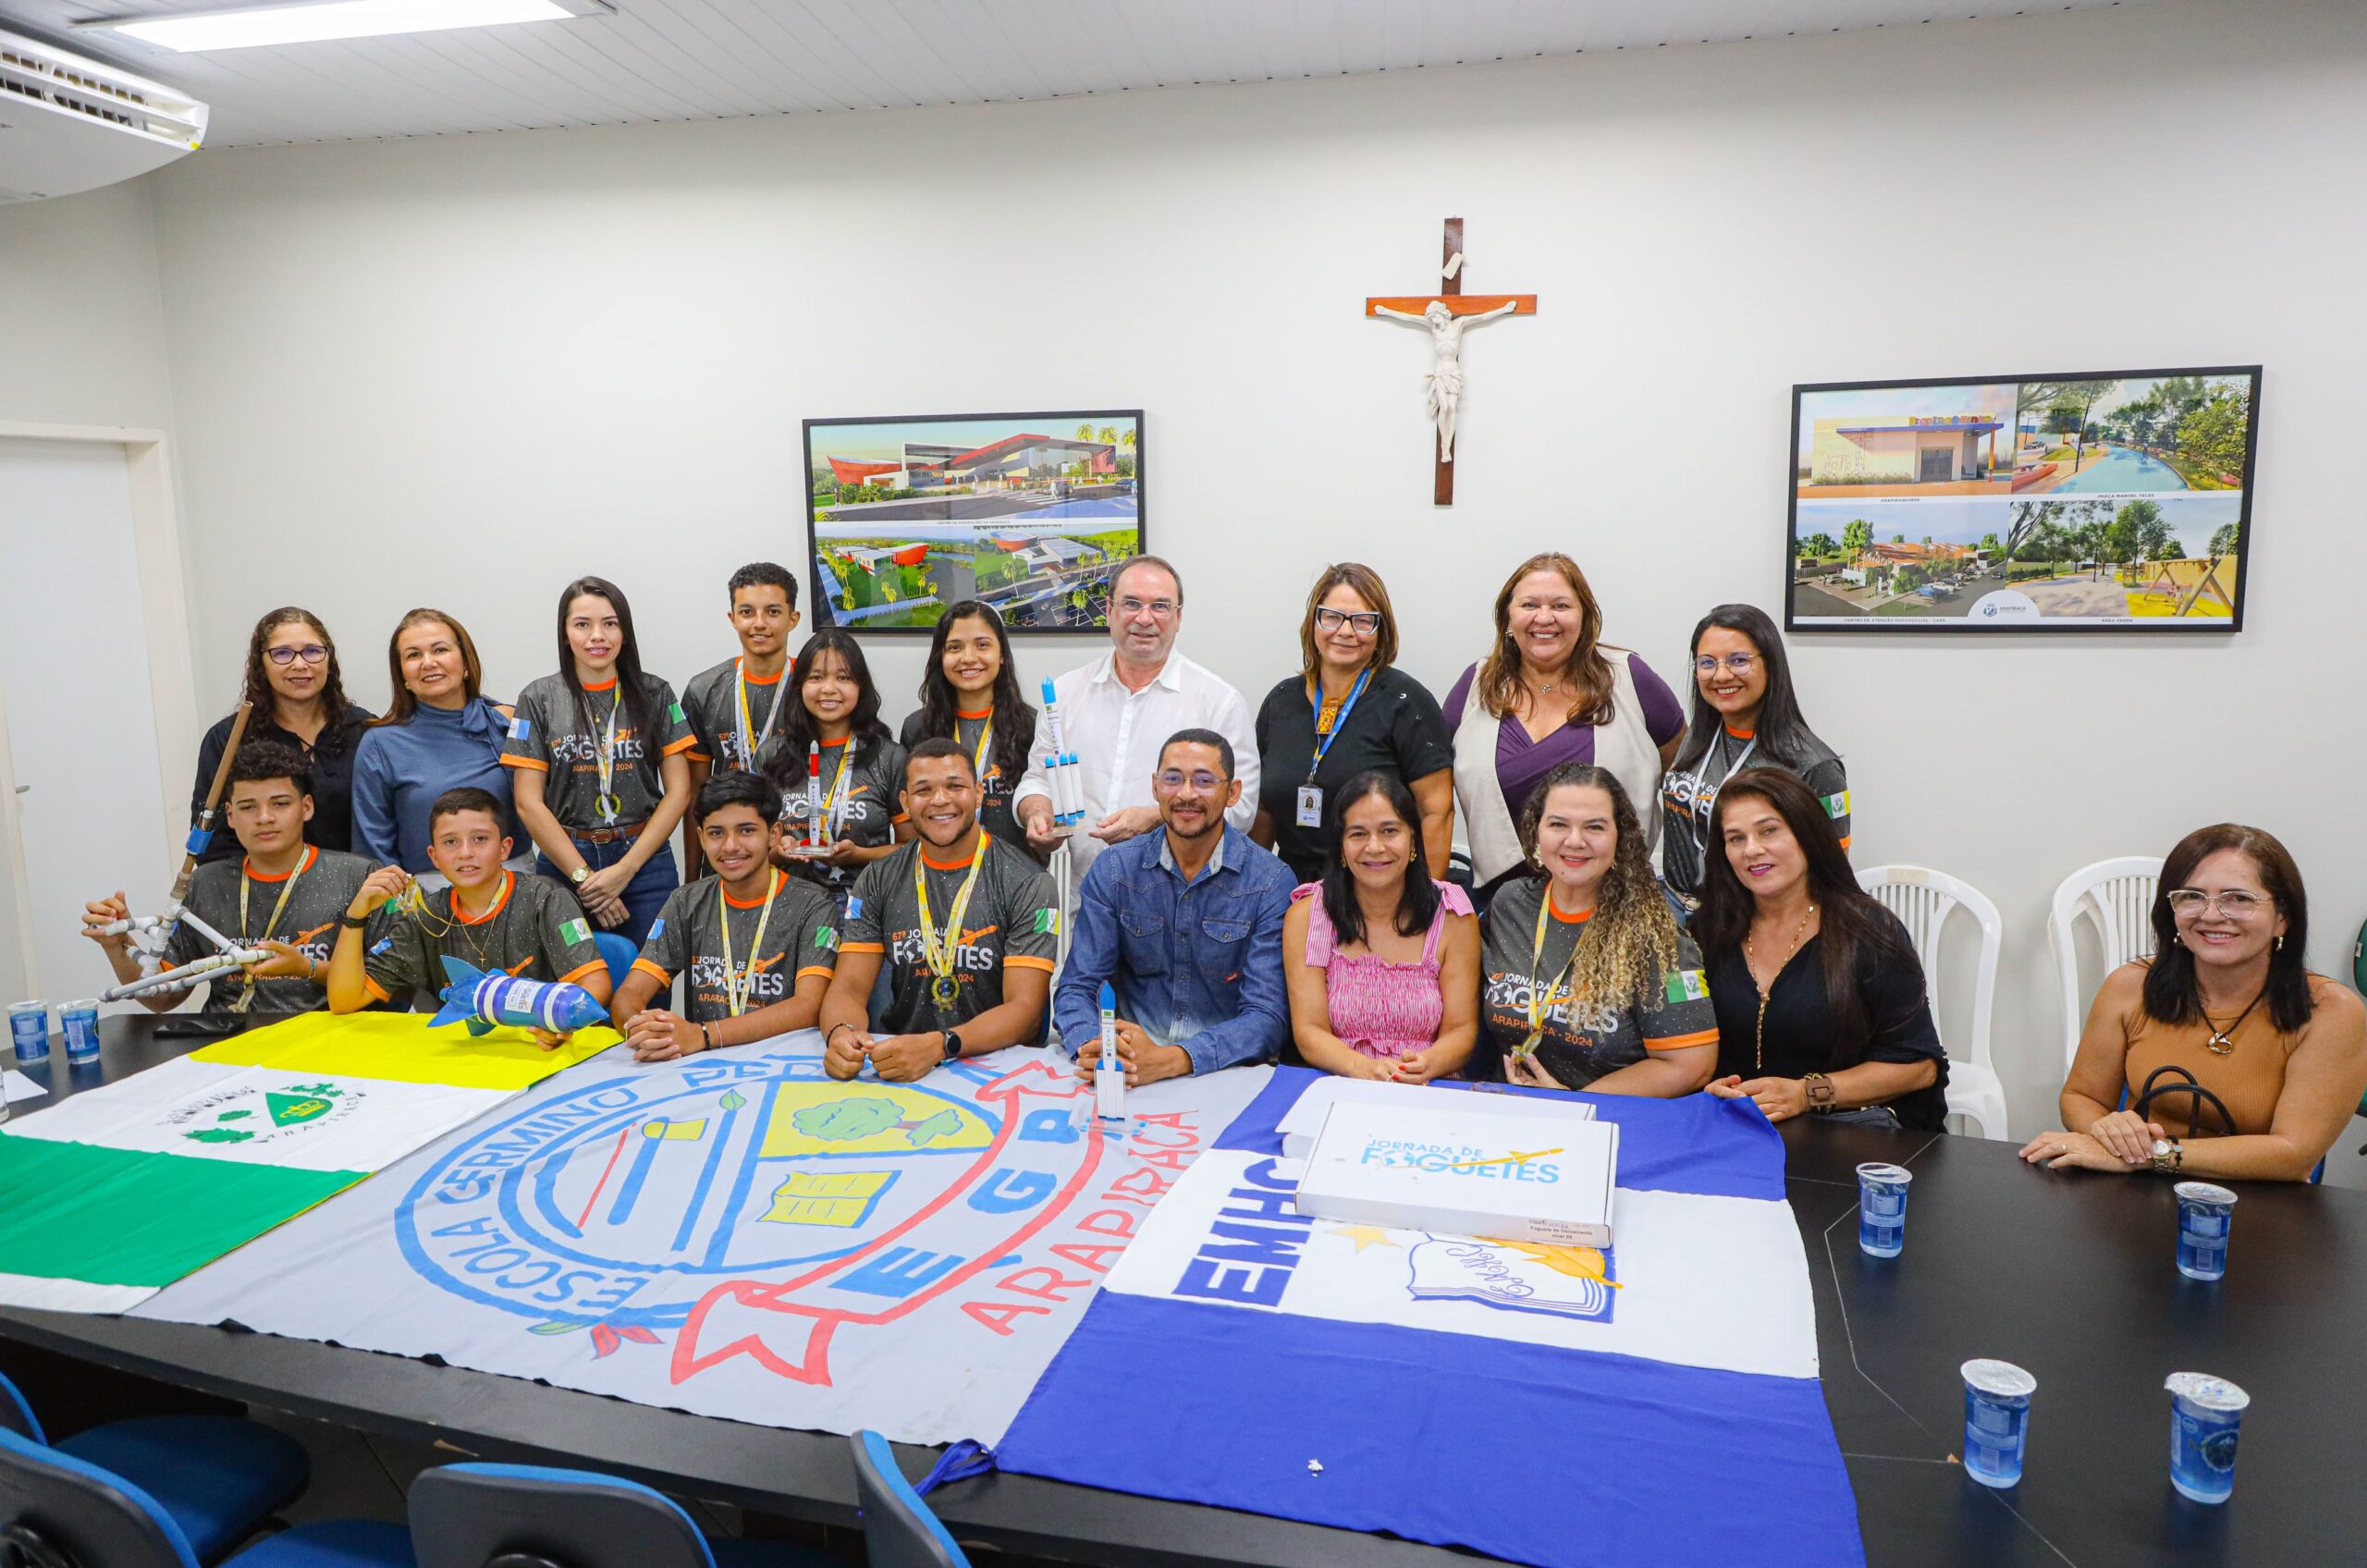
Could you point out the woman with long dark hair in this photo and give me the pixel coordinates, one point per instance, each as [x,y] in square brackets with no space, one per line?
[1551,693]
[1382,962]
[1745,715]
[1589,983]
[832,737]
[2233,1059]
[1823,1007]
[440,732]
[597,753]
[298,695]
[970,695]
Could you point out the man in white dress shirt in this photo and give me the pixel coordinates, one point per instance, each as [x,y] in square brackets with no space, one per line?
[1118,711]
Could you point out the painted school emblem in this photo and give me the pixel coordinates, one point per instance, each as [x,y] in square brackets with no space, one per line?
[749,1206]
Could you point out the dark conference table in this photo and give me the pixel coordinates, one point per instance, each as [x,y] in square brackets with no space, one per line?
[2069,1274]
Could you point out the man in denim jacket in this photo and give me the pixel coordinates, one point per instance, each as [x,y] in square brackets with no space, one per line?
[1186,925]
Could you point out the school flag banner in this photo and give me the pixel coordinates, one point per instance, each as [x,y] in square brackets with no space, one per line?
[738,1234]
[1653,1401]
[119,1191]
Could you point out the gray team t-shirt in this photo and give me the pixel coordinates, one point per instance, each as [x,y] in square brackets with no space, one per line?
[536,932]
[1688,796]
[319,891]
[799,938]
[1582,1040]
[1013,922]
[548,735]
[866,803]
[711,703]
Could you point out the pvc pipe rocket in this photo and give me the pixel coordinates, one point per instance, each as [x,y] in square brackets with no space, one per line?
[1062,774]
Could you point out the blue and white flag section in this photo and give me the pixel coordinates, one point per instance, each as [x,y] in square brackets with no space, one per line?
[737,1235]
[1653,1402]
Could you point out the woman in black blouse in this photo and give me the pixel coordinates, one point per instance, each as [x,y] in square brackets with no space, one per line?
[1821,1004]
[1349,710]
[298,695]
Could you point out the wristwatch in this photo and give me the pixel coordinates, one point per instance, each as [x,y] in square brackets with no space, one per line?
[953,1045]
[2169,1156]
[1820,1090]
[579,876]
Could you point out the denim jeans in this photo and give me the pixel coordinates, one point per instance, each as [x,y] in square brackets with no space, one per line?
[644,895]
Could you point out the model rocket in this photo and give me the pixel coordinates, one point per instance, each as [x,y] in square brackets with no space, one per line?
[813,840]
[1062,774]
[483,1001]
[1110,1071]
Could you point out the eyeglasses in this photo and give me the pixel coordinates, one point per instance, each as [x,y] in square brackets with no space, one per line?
[1172,782]
[1364,623]
[1741,663]
[1157,608]
[2236,903]
[310,653]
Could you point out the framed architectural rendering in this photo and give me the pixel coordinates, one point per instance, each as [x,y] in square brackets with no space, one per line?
[1030,512]
[2117,500]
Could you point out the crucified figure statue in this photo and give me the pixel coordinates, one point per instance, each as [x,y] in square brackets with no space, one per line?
[1445,378]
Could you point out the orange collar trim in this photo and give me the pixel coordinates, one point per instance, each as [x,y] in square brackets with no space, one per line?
[247,868]
[757,902]
[1555,909]
[1740,734]
[772,680]
[987,712]
[606,685]
[962,864]
[509,881]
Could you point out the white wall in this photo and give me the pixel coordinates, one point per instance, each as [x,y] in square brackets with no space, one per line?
[81,318]
[459,371]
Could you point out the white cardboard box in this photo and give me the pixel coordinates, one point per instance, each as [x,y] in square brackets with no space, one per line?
[1304,1120]
[1435,1166]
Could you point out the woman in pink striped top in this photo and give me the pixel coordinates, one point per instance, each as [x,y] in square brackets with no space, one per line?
[1382,962]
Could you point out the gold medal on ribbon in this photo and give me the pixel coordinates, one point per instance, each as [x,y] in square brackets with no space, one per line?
[945,988]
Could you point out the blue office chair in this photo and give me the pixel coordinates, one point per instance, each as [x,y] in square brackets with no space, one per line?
[899,1531]
[531,1516]
[60,1511]
[618,953]
[215,1477]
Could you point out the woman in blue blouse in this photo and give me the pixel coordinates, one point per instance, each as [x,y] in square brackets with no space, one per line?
[439,734]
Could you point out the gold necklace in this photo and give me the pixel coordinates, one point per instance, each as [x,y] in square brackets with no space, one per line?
[2223,1041]
[1759,1031]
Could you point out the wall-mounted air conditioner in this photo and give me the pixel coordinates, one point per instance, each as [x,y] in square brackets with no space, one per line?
[69,123]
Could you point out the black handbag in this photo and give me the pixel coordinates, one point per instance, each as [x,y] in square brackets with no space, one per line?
[2184,1084]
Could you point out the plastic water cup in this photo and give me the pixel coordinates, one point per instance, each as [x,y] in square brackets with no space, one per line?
[1881,1208]
[80,1024]
[1996,1421]
[29,1029]
[2205,1415]
[2206,1213]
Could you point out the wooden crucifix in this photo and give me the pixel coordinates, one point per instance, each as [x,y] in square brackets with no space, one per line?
[1446,313]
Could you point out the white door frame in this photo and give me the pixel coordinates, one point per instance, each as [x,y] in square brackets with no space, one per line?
[163,606]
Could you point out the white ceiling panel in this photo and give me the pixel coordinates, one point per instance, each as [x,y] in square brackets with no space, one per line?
[709,59]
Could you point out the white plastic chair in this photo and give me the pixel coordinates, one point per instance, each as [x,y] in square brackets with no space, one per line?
[1923,899]
[2118,897]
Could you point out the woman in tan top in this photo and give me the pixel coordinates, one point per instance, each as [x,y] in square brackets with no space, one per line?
[2228,1003]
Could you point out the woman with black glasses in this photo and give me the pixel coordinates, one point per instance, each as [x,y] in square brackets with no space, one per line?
[298,695]
[1745,715]
[1348,711]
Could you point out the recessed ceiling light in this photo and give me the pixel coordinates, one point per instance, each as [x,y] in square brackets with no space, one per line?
[251,27]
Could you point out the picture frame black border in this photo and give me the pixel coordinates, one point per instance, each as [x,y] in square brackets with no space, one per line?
[1957,626]
[816,603]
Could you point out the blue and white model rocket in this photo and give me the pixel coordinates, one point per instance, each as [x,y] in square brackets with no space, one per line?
[484,1000]
[1062,774]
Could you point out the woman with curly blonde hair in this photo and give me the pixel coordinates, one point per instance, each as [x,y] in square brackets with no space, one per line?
[1589,984]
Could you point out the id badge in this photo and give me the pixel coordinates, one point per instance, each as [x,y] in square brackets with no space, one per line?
[1310,806]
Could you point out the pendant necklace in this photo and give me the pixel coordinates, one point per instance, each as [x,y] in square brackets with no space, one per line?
[2223,1041]
[1759,1031]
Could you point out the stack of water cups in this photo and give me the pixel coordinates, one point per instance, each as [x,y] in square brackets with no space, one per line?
[2205,1415]
[1996,1421]
[29,1029]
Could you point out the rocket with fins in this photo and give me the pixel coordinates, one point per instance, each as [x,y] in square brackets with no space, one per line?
[482,1000]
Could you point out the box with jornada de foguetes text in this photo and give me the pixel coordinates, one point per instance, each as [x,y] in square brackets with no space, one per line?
[1435,1166]
[1304,1118]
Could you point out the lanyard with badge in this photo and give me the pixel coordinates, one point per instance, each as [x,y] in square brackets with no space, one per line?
[986,734]
[748,746]
[246,998]
[834,801]
[739,988]
[943,989]
[1705,796]
[1542,999]
[1310,794]
[606,802]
